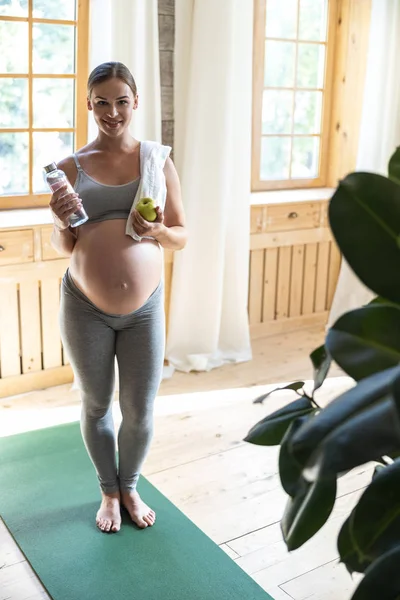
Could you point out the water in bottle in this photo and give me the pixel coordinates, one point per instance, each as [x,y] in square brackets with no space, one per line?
[56,178]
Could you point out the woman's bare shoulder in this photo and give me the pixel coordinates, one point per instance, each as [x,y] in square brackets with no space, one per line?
[68,166]
[88,149]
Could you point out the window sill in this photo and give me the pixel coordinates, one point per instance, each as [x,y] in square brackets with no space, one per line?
[286,196]
[28,217]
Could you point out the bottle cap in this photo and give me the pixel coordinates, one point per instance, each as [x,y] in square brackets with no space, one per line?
[50,167]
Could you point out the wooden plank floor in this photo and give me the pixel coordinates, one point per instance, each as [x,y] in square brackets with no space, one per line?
[198,459]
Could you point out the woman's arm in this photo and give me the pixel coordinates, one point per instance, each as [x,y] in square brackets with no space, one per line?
[62,206]
[174,234]
[63,240]
[169,228]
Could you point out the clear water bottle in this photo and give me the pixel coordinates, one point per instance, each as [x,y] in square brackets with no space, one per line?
[56,178]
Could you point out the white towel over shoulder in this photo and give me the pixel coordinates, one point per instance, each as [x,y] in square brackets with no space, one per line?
[152,180]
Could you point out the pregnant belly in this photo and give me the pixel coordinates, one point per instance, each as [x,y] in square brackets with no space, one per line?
[114,271]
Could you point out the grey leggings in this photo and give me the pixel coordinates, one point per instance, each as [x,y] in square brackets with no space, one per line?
[93,339]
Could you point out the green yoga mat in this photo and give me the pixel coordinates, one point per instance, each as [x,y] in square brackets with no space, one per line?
[48,500]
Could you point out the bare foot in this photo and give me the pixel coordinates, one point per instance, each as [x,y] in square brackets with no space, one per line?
[108,517]
[140,513]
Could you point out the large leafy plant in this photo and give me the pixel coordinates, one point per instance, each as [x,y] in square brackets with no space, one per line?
[318,445]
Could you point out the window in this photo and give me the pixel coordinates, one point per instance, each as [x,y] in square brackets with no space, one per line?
[43,72]
[293,58]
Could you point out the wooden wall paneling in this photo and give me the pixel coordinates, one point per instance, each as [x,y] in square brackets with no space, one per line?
[296,284]
[286,326]
[37,245]
[50,303]
[289,217]
[42,271]
[256,286]
[352,37]
[10,358]
[258,219]
[310,270]
[283,291]
[65,359]
[270,284]
[21,384]
[321,285]
[31,346]
[285,238]
[335,260]
[48,252]
[16,247]
[324,214]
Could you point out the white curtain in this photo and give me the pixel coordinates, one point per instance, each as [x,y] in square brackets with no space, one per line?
[208,323]
[127,31]
[380,127]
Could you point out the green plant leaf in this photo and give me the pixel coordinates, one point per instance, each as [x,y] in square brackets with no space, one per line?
[381,579]
[394,166]
[368,434]
[365,436]
[364,215]
[297,385]
[348,552]
[289,469]
[379,301]
[375,521]
[371,390]
[321,362]
[395,388]
[366,340]
[270,430]
[378,469]
[307,512]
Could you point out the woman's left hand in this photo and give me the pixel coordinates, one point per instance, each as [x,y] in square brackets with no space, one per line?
[147,228]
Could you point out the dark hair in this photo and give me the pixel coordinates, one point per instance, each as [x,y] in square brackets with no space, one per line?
[108,70]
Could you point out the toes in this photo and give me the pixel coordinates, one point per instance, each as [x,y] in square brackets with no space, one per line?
[147,519]
[116,527]
[107,526]
[103,524]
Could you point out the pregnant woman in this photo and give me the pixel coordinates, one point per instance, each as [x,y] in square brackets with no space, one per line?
[112,301]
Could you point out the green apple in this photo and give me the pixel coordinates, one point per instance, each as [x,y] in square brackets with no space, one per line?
[147,209]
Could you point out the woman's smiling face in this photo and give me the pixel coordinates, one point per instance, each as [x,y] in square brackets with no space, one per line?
[112,103]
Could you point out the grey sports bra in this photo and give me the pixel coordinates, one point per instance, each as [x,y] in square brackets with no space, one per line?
[101,201]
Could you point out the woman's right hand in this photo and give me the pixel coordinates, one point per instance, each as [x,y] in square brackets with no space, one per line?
[63,204]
